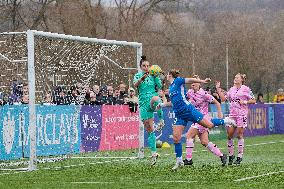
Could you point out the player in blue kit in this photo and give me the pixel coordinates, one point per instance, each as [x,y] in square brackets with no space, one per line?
[185,111]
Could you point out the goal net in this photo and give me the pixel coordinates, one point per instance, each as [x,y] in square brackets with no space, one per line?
[53,88]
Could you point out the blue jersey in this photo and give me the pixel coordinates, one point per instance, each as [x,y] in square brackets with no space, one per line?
[177,94]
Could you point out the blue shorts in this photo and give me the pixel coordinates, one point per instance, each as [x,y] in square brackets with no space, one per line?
[189,114]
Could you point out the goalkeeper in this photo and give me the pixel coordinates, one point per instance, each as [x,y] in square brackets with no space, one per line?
[147,86]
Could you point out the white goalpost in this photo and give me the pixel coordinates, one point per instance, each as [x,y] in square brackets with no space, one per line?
[59,59]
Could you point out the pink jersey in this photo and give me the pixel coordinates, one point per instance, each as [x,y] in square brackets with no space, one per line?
[200,100]
[235,95]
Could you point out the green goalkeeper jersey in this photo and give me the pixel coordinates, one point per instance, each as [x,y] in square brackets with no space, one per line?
[148,87]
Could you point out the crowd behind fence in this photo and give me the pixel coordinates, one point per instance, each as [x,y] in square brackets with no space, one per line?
[98,95]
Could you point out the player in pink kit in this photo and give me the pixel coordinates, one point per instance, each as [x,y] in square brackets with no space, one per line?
[239,97]
[201,99]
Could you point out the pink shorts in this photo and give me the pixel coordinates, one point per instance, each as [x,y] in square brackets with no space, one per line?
[241,121]
[200,128]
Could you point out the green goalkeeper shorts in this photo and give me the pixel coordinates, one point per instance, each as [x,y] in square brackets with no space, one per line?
[146,112]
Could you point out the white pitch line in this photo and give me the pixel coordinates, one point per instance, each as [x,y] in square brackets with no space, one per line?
[175,181]
[91,157]
[10,173]
[16,169]
[259,144]
[120,159]
[91,182]
[248,178]
[166,181]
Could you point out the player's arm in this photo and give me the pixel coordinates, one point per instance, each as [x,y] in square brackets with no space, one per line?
[194,80]
[250,101]
[158,82]
[139,81]
[218,106]
[219,91]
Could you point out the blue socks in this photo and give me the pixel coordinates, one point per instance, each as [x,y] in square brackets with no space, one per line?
[217,121]
[178,150]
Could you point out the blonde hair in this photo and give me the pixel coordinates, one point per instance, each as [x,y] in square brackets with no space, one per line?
[243,76]
[196,76]
[174,72]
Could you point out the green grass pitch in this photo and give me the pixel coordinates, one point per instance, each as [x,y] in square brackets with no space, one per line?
[262,167]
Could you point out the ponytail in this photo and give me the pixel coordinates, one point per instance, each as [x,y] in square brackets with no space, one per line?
[143,59]
[174,72]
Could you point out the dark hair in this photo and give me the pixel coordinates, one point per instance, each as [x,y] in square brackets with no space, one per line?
[143,59]
[259,95]
[175,73]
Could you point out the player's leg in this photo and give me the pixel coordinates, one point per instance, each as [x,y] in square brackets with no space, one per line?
[147,117]
[241,141]
[230,143]
[198,117]
[177,133]
[190,135]
[216,122]
[154,102]
[204,139]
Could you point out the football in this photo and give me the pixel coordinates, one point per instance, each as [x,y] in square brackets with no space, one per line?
[155,70]
[159,144]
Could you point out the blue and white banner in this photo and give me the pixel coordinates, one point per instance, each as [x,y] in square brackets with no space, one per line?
[58,131]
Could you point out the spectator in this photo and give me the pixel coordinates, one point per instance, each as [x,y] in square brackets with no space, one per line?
[122,90]
[2,99]
[61,99]
[260,99]
[103,98]
[73,95]
[132,100]
[111,95]
[25,89]
[93,99]
[96,90]
[48,99]
[216,95]
[279,97]
[119,97]
[25,99]
[16,93]
[87,95]
[116,93]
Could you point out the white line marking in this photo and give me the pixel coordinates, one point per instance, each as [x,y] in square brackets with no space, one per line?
[118,159]
[15,169]
[258,144]
[10,173]
[91,182]
[248,178]
[166,181]
[86,157]
[174,181]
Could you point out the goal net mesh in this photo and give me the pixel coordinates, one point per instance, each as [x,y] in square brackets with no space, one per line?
[68,71]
